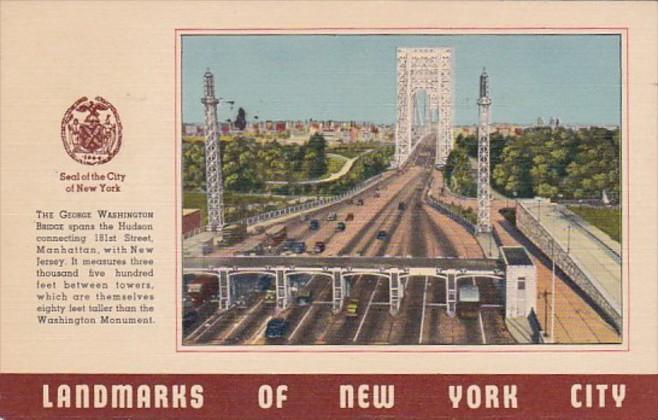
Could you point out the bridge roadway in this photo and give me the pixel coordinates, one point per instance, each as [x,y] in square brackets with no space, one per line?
[576,321]
[419,235]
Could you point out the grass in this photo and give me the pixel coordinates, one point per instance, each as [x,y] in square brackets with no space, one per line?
[605,218]
[232,202]
[334,164]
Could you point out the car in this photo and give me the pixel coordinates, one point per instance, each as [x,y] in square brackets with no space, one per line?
[287,244]
[350,201]
[241,303]
[189,318]
[270,296]
[298,247]
[352,308]
[359,202]
[332,217]
[401,206]
[276,328]
[314,224]
[319,247]
[304,297]
[265,283]
[306,218]
[256,251]
[377,195]
[206,249]
[381,235]
[349,217]
[340,226]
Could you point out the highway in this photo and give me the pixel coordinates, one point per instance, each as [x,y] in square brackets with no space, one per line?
[576,320]
[413,229]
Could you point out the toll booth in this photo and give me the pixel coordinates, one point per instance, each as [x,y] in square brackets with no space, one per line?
[520,281]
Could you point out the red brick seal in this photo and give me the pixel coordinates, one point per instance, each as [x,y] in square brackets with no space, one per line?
[91,131]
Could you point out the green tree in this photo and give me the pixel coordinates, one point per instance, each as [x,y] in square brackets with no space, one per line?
[458,172]
[241,119]
[315,157]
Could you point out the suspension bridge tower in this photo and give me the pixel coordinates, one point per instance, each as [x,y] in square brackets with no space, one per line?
[484,188]
[214,183]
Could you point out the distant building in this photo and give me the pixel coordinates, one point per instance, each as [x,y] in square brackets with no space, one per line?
[191,221]
[192,129]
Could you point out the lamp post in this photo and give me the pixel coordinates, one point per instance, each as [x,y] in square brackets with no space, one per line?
[545,294]
[538,209]
[553,292]
[568,238]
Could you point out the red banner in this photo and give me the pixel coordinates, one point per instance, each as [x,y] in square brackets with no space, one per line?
[31,396]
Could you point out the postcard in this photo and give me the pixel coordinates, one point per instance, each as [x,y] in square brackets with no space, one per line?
[328,209]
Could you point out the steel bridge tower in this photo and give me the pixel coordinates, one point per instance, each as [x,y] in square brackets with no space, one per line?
[428,70]
[214,183]
[484,188]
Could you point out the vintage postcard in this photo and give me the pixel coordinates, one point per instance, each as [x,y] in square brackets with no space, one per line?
[328,209]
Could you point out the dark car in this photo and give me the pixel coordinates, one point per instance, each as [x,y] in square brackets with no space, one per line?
[401,206]
[298,247]
[319,247]
[190,318]
[314,224]
[340,226]
[276,328]
[381,235]
[265,283]
[287,244]
[349,217]
[359,202]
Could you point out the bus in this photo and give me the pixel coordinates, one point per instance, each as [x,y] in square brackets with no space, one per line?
[468,303]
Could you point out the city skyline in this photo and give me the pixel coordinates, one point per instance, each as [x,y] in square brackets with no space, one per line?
[352,77]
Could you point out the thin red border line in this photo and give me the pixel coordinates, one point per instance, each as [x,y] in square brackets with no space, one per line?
[627,131]
[177,221]
[247,349]
[402,28]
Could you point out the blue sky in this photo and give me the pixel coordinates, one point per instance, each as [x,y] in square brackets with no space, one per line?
[574,77]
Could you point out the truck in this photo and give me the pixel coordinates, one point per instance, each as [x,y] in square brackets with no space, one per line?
[203,288]
[468,304]
[275,235]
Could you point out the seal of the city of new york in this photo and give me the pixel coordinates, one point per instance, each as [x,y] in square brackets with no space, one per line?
[91,131]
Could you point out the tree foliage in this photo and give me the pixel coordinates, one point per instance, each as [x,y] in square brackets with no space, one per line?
[247,165]
[559,163]
[457,172]
[240,119]
[552,162]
